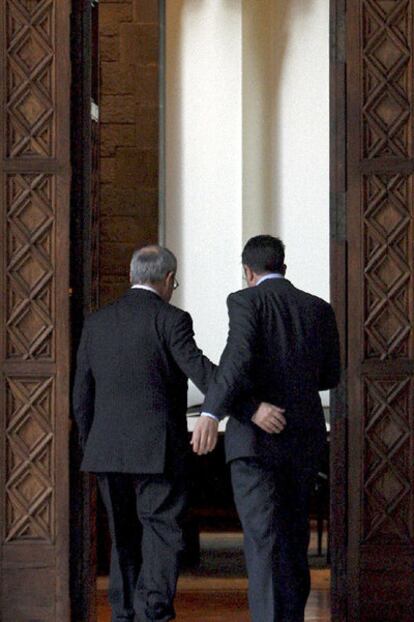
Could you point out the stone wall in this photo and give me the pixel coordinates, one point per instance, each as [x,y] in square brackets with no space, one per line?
[129,33]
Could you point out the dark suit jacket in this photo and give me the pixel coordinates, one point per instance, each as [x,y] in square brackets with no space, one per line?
[130,392]
[282,348]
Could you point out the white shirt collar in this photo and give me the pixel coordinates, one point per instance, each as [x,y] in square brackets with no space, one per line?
[148,288]
[271,275]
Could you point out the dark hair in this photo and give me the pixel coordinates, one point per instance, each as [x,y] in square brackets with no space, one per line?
[264,253]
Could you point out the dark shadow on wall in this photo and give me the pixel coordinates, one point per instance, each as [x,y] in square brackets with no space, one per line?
[266,35]
[173,118]
[265,39]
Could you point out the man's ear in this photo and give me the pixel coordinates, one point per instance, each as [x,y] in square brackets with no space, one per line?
[249,273]
[283,270]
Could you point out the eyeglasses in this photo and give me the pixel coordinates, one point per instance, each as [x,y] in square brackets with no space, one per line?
[176,284]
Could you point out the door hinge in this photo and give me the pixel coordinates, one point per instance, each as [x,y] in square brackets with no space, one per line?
[94,111]
[338,216]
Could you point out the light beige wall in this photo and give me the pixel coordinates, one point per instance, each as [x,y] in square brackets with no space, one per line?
[203,148]
[258,93]
[247,145]
[286,132]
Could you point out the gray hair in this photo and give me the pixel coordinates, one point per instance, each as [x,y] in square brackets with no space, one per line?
[150,264]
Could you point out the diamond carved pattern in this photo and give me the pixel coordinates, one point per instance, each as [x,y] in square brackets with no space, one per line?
[29,459]
[35,215]
[388,240]
[387,79]
[388,459]
[30,97]
[30,272]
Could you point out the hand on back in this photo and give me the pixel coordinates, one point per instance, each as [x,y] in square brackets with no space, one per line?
[270,418]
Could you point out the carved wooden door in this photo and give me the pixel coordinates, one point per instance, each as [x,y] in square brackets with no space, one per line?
[34,307]
[373,215]
[84,282]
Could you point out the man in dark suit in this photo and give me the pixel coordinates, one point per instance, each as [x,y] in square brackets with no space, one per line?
[130,402]
[282,348]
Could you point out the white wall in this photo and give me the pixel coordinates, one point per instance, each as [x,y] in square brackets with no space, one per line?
[204,167]
[286,132]
[302,147]
[247,126]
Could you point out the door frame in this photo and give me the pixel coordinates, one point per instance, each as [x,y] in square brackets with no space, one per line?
[339,299]
[83,300]
[83,488]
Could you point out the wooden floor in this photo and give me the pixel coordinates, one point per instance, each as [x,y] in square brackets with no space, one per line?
[201,599]
[217,591]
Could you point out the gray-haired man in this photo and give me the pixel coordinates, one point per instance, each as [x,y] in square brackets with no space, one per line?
[130,401]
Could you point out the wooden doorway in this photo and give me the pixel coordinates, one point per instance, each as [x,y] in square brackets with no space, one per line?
[85,101]
[372,275]
[35,336]
[372,160]
[115,190]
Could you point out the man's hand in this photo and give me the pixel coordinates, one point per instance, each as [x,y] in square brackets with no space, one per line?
[270,418]
[205,435]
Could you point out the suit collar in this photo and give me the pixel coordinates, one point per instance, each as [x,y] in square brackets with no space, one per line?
[147,288]
[143,294]
[270,276]
[275,283]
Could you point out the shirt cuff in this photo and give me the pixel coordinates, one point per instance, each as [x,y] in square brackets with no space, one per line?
[210,415]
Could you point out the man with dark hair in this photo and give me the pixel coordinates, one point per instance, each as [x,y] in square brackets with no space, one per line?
[264,253]
[282,348]
[130,404]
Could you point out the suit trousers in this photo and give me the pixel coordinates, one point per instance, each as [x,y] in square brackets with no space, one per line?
[272,499]
[144,515]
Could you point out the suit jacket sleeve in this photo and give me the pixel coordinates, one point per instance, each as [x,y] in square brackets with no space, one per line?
[187,355]
[330,370]
[233,378]
[83,390]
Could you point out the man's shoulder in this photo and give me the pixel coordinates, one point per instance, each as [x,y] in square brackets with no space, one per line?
[246,294]
[172,320]
[169,315]
[248,299]
[249,294]
[313,300]
[103,313]
[174,314]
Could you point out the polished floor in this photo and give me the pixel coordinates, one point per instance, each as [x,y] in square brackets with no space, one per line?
[217,591]
[224,600]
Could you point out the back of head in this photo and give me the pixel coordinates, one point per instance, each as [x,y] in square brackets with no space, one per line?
[151,264]
[264,253]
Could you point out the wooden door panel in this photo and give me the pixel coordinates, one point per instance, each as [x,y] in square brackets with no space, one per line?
[380,348]
[84,283]
[34,347]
